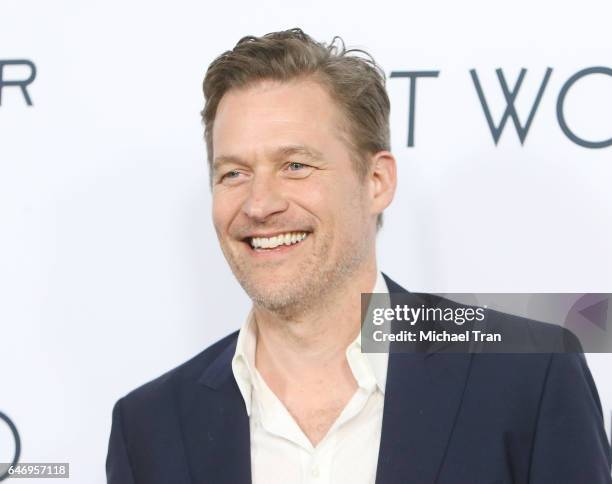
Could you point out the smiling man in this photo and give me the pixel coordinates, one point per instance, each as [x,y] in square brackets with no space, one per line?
[297,135]
[295,218]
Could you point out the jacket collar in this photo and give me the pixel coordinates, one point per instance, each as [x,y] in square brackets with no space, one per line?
[422,399]
[424,394]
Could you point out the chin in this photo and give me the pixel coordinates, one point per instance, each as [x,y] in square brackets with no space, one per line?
[277,297]
[276,301]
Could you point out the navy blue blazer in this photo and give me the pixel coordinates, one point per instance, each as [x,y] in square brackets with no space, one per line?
[448,418]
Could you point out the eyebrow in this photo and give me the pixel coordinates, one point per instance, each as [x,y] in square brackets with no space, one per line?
[226,159]
[279,152]
[298,150]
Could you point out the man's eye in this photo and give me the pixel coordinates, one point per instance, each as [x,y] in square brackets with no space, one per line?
[297,170]
[295,166]
[230,174]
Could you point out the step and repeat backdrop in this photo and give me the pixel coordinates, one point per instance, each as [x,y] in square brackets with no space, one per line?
[110,272]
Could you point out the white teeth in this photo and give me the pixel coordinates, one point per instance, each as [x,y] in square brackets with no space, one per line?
[289,238]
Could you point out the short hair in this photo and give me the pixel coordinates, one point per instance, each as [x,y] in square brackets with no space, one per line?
[355,82]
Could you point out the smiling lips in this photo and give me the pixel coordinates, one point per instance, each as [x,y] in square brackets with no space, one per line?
[289,238]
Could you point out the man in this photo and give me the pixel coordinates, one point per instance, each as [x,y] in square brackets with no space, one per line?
[298,144]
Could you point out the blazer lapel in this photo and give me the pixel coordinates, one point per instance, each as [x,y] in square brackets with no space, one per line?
[422,399]
[216,426]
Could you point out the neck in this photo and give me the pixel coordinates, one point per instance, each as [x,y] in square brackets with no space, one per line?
[314,341]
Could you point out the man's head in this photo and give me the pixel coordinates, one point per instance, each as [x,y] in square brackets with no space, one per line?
[297,135]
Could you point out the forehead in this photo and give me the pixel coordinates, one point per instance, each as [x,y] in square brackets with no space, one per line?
[273,113]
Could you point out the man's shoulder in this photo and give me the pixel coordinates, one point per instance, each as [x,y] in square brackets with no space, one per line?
[186,373]
[522,334]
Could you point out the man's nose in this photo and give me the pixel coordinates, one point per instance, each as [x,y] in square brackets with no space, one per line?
[264,198]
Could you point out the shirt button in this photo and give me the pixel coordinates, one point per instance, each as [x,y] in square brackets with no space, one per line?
[315,471]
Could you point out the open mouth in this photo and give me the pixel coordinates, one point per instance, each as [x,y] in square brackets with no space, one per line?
[277,241]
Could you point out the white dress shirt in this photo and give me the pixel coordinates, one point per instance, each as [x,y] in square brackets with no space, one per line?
[280,451]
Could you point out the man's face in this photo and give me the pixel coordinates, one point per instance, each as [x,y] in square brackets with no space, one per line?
[292,216]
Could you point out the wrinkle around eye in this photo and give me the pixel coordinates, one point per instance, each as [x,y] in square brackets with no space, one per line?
[231,177]
[302,171]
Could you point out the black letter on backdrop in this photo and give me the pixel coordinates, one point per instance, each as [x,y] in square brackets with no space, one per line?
[510,98]
[21,83]
[413,75]
[561,99]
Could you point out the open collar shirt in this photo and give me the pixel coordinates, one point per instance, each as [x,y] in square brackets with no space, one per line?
[280,451]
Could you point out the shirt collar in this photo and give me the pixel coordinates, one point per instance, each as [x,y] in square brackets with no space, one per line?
[369,369]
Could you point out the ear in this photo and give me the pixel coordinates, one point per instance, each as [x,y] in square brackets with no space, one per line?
[382,180]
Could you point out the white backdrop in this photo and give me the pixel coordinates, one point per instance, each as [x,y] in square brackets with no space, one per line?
[110,273]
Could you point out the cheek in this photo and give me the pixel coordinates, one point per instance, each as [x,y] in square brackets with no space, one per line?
[223,210]
[317,198]
[335,203]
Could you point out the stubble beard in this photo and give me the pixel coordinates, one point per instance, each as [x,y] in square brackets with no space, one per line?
[314,283]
